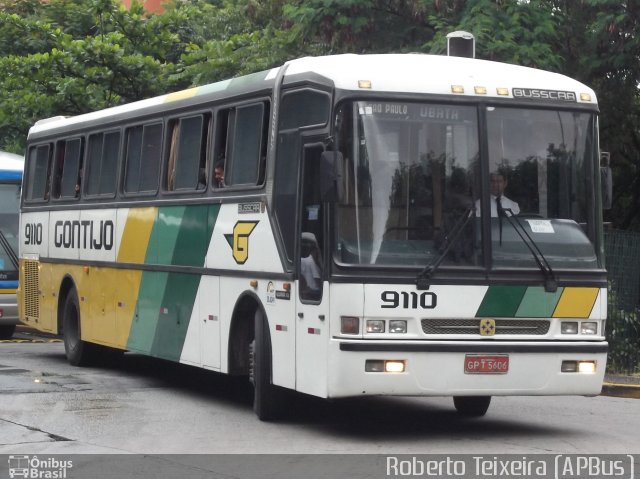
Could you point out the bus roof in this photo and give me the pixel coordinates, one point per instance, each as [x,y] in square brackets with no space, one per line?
[394,73]
[435,74]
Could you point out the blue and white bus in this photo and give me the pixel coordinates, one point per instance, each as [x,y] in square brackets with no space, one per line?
[11,166]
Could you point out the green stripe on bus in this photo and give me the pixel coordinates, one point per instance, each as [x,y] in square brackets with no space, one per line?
[247,81]
[501,301]
[537,303]
[180,236]
[175,313]
[164,235]
[195,233]
[145,321]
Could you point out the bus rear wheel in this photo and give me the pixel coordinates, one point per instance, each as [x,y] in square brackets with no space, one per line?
[78,352]
[472,406]
[268,399]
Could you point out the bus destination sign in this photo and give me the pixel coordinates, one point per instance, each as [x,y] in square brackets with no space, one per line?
[414,111]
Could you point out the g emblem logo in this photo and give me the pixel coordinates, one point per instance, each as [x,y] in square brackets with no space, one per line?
[239,240]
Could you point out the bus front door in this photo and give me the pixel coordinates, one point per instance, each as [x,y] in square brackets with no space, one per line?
[312,298]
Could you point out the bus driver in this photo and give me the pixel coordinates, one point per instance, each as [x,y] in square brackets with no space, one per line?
[498,185]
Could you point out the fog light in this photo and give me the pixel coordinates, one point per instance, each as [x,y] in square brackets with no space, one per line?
[394,366]
[569,366]
[587,367]
[589,328]
[349,325]
[375,326]
[397,326]
[374,366]
[567,327]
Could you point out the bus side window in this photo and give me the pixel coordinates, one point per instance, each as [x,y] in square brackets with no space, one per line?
[143,153]
[69,186]
[242,143]
[102,163]
[39,167]
[187,163]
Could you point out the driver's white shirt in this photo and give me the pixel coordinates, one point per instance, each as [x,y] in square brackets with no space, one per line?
[506,203]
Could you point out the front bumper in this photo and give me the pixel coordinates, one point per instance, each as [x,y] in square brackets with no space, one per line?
[436,368]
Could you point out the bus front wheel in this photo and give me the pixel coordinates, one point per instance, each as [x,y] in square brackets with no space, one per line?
[268,400]
[472,406]
[78,352]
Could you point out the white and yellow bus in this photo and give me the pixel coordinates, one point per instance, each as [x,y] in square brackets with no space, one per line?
[318,227]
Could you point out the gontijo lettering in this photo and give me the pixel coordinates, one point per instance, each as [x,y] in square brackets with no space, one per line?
[86,234]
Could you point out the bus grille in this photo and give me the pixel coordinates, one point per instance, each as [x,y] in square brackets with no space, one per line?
[472,326]
[30,288]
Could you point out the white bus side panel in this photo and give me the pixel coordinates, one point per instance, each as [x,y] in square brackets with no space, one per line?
[34,234]
[202,342]
[243,242]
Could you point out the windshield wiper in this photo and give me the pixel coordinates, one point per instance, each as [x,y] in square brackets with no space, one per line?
[550,282]
[423,280]
[12,255]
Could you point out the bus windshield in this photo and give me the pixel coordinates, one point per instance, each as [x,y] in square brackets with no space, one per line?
[412,173]
[9,207]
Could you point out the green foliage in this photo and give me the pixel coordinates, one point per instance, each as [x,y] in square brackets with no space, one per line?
[623,335]
[71,56]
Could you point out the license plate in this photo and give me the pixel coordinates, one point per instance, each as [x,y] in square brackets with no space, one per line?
[486,364]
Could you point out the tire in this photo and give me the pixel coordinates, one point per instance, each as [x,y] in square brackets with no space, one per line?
[6,331]
[472,406]
[268,400]
[78,352]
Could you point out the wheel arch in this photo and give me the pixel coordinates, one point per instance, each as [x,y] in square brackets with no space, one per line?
[242,332]
[67,284]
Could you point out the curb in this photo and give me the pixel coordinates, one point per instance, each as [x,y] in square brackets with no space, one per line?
[619,390]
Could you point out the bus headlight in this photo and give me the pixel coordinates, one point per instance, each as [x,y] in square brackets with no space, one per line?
[583,367]
[397,326]
[586,367]
[569,327]
[589,328]
[375,326]
[385,366]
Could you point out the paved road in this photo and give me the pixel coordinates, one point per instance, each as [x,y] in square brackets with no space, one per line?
[142,405]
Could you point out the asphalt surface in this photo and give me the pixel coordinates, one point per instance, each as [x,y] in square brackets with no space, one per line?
[615,385]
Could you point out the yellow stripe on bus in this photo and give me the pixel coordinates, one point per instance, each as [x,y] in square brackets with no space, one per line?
[137,232]
[576,303]
[8,291]
[181,95]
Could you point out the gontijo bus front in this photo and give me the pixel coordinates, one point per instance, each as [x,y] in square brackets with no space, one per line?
[348,251]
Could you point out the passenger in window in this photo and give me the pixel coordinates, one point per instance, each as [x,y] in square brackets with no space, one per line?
[498,200]
[218,174]
[310,272]
[78,181]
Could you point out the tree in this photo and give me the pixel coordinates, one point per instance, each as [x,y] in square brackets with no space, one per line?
[72,56]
